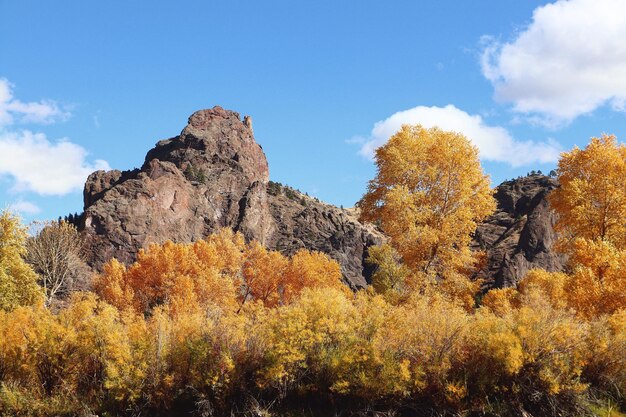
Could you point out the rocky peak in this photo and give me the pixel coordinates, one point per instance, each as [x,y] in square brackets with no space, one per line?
[214,141]
[214,175]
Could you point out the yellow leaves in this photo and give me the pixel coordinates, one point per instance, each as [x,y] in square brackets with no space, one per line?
[591,208]
[554,286]
[18,281]
[459,289]
[591,199]
[495,343]
[428,195]
[531,348]
[17,329]
[426,333]
[455,392]
[607,364]
[311,270]
[390,275]
[500,301]
[582,290]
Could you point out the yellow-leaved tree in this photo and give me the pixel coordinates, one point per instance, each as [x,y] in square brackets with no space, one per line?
[591,199]
[18,281]
[428,196]
[591,207]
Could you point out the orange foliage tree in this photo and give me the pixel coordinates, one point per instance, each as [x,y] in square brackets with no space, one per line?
[222,270]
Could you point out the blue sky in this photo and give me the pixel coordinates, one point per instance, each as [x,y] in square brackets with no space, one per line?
[89,85]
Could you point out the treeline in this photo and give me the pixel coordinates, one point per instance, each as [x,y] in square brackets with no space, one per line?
[224,327]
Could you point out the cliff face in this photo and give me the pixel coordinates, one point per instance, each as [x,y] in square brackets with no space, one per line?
[519,236]
[304,222]
[214,175]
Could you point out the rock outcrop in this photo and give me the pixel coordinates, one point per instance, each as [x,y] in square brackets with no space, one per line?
[519,236]
[214,175]
[305,222]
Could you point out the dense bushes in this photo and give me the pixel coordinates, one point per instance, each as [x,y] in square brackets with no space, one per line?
[191,347]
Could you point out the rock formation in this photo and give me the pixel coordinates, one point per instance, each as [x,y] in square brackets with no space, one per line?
[519,236]
[214,175]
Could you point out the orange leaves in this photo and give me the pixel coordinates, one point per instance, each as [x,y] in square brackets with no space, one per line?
[591,208]
[111,285]
[186,276]
[222,270]
[311,270]
[263,275]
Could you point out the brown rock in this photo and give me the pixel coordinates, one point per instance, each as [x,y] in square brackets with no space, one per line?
[214,175]
[305,222]
[519,236]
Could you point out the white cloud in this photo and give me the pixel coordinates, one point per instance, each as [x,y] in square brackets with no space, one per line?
[24,207]
[11,109]
[570,60]
[33,162]
[44,167]
[495,143]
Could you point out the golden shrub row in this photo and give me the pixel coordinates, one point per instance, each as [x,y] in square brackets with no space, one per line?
[180,325]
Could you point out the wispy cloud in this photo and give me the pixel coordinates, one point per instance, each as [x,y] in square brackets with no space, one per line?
[31,160]
[13,110]
[24,207]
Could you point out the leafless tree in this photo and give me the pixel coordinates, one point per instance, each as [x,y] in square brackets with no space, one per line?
[55,253]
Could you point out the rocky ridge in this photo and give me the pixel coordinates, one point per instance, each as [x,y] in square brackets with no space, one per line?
[215,175]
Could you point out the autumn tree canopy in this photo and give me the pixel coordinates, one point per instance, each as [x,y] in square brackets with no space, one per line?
[591,207]
[591,198]
[590,204]
[221,270]
[428,195]
[18,282]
